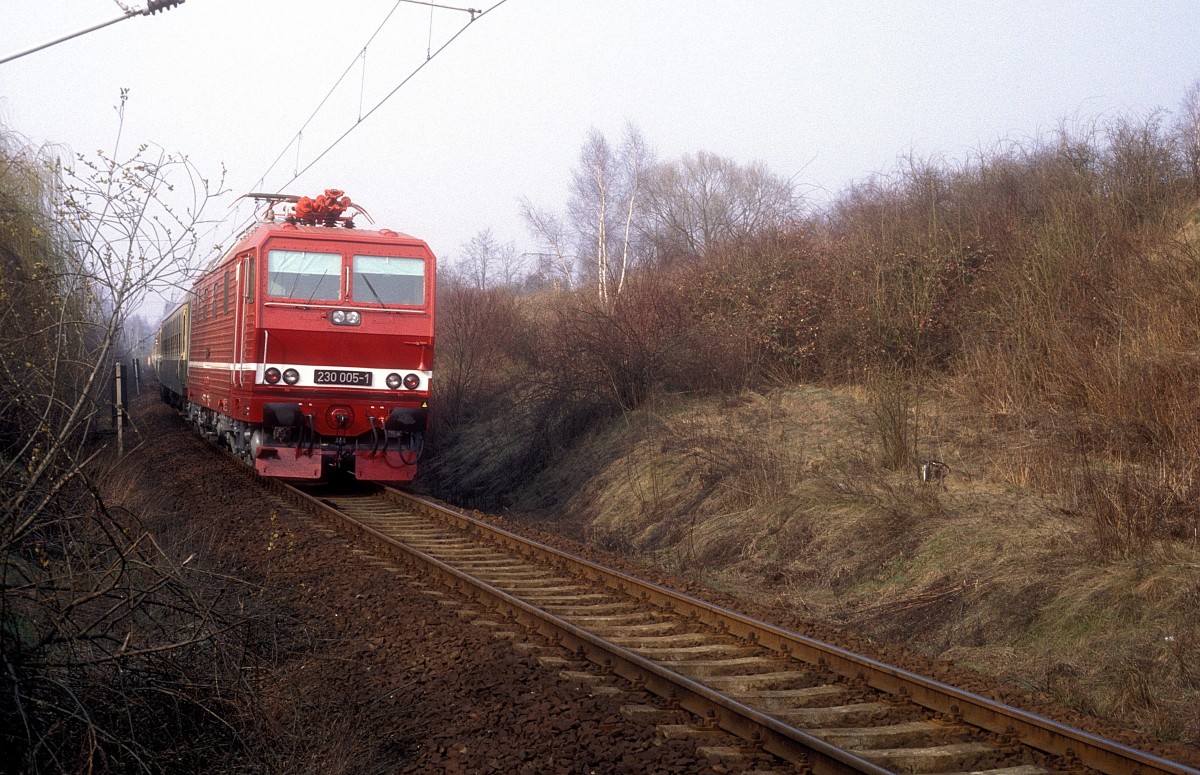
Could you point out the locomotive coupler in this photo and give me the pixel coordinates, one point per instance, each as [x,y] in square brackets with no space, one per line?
[339,441]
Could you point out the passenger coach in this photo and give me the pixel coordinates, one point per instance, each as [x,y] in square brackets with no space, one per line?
[310,345]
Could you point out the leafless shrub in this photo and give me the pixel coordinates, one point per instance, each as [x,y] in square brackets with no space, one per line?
[619,353]
[476,335]
[1131,506]
[102,635]
[759,307]
[893,407]
[117,653]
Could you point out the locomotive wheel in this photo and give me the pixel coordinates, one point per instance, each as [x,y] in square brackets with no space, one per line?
[256,441]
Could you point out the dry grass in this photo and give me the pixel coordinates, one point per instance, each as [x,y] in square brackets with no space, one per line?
[785,496]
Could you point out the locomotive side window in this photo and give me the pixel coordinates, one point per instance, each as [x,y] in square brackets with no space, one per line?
[389,280]
[298,274]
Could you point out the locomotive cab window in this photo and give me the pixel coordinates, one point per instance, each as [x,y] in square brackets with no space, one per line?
[298,274]
[388,280]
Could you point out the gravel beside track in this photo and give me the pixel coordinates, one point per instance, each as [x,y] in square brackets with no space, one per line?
[403,681]
[420,689]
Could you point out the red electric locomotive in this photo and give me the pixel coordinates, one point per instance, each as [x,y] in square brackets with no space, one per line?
[311,344]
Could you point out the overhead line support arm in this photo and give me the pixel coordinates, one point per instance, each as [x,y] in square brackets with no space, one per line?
[153,7]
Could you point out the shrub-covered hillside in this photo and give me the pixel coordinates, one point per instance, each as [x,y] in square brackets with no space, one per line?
[754,407]
[1049,283]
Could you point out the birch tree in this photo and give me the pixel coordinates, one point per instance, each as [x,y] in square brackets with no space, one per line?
[597,239]
[606,190]
[1189,131]
[592,186]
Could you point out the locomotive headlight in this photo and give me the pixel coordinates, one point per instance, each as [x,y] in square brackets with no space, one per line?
[343,317]
[338,317]
[271,376]
[412,381]
[353,318]
[291,376]
[393,381]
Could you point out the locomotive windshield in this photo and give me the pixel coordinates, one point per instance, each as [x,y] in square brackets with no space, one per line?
[298,274]
[375,280]
[388,280]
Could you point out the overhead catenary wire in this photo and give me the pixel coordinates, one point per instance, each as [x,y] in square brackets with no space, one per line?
[300,132]
[476,14]
[390,94]
[429,43]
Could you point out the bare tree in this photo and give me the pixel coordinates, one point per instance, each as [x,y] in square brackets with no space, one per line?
[486,262]
[1189,131]
[558,264]
[636,160]
[600,226]
[605,192]
[591,194]
[126,236]
[705,199]
[88,593]
[625,209]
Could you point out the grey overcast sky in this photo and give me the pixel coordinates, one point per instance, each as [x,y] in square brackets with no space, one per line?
[825,92]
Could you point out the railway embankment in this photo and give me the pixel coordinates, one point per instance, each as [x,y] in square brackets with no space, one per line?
[779,499]
[387,674]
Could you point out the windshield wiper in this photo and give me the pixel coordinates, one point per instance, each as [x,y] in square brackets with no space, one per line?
[316,287]
[374,293]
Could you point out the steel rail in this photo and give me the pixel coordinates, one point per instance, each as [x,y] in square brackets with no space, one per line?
[1045,735]
[763,731]
[1073,748]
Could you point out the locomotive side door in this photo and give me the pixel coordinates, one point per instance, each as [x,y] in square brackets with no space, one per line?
[245,316]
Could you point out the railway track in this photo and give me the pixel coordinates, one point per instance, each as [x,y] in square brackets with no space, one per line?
[804,705]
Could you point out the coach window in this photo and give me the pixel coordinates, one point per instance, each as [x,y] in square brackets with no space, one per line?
[298,274]
[389,280]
